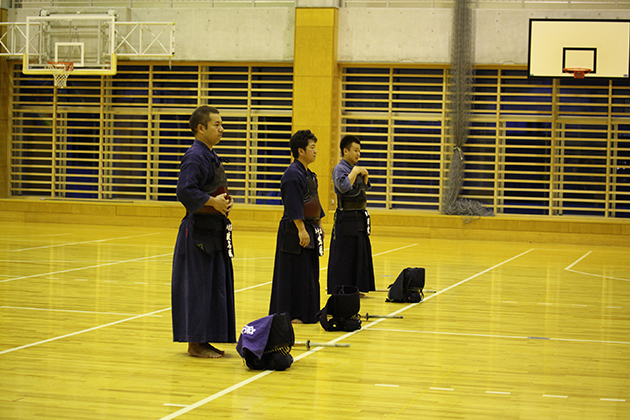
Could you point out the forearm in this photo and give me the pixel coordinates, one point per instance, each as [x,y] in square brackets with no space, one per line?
[352,176]
[300,224]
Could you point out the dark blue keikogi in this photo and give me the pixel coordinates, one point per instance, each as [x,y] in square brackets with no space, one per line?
[202,285]
[295,287]
[350,256]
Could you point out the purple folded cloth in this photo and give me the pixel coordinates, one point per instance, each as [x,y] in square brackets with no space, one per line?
[254,336]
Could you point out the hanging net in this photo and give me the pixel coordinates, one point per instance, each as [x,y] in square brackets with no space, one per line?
[460,98]
[60,71]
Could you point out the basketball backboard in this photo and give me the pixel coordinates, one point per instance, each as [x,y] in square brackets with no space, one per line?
[603,46]
[87,41]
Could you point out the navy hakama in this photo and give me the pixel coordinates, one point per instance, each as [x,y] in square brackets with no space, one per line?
[350,256]
[295,287]
[202,283]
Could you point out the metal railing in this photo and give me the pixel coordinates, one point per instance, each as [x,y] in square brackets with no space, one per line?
[492,4]
[431,4]
[132,39]
[34,4]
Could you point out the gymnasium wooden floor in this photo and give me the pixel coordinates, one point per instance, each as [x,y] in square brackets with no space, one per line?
[515,331]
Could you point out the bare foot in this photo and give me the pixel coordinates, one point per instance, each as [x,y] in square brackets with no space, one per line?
[296,321]
[212,348]
[204,350]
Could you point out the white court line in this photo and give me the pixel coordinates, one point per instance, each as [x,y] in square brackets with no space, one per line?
[448,333]
[380,253]
[252,258]
[468,279]
[394,250]
[519,337]
[598,275]
[313,350]
[84,242]
[569,268]
[84,268]
[31,261]
[21,236]
[498,392]
[251,287]
[69,310]
[82,331]
[100,326]
[217,395]
[578,260]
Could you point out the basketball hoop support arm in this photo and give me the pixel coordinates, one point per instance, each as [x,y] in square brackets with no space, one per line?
[106,72]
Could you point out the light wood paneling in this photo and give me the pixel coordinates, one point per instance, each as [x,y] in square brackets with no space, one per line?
[123,137]
[408,224]
[515,330]
[536,146]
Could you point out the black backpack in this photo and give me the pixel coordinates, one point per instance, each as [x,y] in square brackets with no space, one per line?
[408,286]
[343,307]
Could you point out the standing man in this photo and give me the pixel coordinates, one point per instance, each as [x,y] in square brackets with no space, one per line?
[300,241]
[203,279]
[350,260]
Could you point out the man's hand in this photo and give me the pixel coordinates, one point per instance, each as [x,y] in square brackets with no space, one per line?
[364,174]
[305,238]
[358,171]
[221,203]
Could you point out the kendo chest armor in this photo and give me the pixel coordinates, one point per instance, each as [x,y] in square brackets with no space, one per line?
[213,230]
[312,208]
[218,186]
[356,198]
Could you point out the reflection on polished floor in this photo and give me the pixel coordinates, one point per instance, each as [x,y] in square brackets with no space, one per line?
[515,331]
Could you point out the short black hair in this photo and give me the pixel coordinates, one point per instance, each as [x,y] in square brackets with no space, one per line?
[347,141]
[300,141]
[201,116]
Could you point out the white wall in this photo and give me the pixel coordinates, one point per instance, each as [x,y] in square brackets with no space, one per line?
[372,35]
[223,34]
[242,34]
[423,35]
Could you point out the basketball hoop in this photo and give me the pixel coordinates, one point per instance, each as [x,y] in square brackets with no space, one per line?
[578,73]
[60,71]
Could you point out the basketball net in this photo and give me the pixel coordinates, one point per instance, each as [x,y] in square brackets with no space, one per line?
[60,71]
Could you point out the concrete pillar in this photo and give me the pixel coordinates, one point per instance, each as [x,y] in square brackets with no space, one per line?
[315,85]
